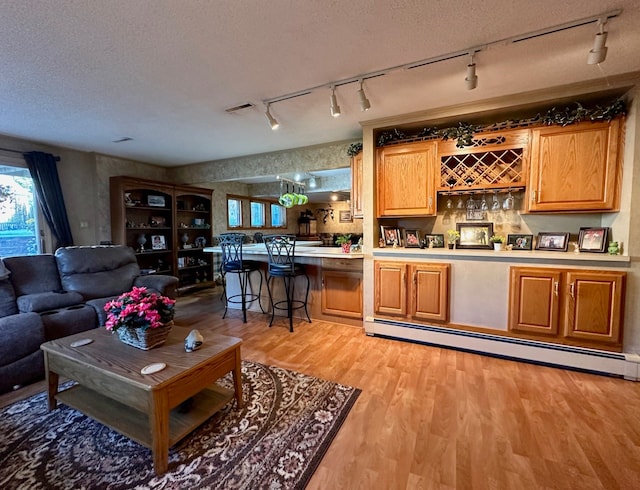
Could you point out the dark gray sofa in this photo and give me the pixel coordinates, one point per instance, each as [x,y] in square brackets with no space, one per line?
[49,296]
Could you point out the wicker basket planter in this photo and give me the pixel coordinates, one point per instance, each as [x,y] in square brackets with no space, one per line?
[145,339]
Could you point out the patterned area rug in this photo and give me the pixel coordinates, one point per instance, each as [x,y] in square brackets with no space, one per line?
[276,441]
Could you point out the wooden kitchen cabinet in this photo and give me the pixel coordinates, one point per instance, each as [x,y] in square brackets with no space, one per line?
[357,186]
[580,307]
[575,168]
[406,179]
[342,293]
[534,301]
[419,291]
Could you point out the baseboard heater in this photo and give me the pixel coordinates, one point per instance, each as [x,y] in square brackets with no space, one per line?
[625,365]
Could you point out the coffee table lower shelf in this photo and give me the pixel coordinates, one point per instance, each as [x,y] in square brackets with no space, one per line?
[134,424]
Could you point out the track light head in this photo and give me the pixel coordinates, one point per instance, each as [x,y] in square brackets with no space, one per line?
[365,105]
[599,52]
[335,108]
[272,120]
[471,80]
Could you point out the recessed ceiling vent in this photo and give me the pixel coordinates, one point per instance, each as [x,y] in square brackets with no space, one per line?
[240,107]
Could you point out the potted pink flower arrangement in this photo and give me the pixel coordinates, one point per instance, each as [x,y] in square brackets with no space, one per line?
[141,318]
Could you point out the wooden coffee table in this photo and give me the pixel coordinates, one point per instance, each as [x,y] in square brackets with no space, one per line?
[112,390]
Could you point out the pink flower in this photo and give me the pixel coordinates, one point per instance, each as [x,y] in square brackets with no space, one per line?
[139,308]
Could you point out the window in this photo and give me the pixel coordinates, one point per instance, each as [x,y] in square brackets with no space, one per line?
[234,208]
[278,216]
[18,213]
[257,214]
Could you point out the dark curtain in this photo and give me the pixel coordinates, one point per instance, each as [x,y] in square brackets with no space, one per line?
[44,173]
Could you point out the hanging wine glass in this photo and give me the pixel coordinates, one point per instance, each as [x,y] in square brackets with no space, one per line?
[471,204]
[483,203]
[495,204]
[449,204]
[507,204]
[460,204]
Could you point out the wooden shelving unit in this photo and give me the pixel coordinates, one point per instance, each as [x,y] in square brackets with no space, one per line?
[168,226]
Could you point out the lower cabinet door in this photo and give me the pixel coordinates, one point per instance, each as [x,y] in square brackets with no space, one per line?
[534,300]
[342,293]
[429,292]
[594,304]
[390,288]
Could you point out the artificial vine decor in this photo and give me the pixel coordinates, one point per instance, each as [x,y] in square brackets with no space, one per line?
[464,132]
[354,149]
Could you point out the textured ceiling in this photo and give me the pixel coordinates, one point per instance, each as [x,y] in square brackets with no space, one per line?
[83,74]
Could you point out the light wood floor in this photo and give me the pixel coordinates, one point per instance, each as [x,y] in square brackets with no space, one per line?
[436,418]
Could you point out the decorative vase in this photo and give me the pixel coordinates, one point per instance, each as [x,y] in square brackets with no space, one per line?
[184,239]
[452,246]
[346,247]
[145,339]
[498,246]
[142,239]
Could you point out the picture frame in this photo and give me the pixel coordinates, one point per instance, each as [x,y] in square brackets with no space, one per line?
[158,242]
[411,238]
[345,217]
[520,242]
[155,201]
[390,235]
[593,239]
[555,241]
[475,235]
[433,241]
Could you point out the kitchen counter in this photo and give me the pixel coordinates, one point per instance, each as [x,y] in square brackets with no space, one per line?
[303,249]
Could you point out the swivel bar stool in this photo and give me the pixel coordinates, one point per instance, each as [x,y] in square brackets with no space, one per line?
[281,250]
[233,263]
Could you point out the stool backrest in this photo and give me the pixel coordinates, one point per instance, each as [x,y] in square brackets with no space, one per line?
[282,251]
[231,245]
[258,237]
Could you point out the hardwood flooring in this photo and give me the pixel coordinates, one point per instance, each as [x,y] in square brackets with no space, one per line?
[432,418]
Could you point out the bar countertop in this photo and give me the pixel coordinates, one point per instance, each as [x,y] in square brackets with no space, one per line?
[303,249]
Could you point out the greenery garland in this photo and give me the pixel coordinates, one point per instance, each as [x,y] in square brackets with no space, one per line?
[463,133]
[354,149]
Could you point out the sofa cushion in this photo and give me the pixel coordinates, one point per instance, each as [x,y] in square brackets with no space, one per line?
[48,301]
[21,335]
[8,304]
[33,273]
[97,271]
[67,321]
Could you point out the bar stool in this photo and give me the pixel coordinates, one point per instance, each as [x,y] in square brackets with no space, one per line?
[233,263]
[281,250]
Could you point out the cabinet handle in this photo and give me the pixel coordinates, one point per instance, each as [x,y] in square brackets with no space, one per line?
[555,288]
[533,196]
[415,278]
[430,202]
[571,289]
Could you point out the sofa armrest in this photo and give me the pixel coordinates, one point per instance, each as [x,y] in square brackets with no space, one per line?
[164,284]
[48,301]
[20,335]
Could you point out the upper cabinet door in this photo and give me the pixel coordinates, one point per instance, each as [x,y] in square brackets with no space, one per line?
[356,186]
[574,168]
[406,180]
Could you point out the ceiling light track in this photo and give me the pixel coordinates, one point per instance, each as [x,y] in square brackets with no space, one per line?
[596,55]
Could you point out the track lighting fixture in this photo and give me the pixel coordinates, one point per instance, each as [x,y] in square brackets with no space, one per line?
[335,108]
[471,80]
[272,120]
[365,105]
[599,52]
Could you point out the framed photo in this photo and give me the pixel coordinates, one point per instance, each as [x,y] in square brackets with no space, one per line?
[593,239]
[554,241]
[475,235]
[411,238]
[520,242]
[155,201]
[391,236]
[345,217]
[158,243]
[476,215]
[433,241]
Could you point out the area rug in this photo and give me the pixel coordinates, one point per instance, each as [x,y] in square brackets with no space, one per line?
[275,441]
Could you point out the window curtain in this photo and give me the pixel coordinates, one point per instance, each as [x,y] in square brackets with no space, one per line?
[44,173]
